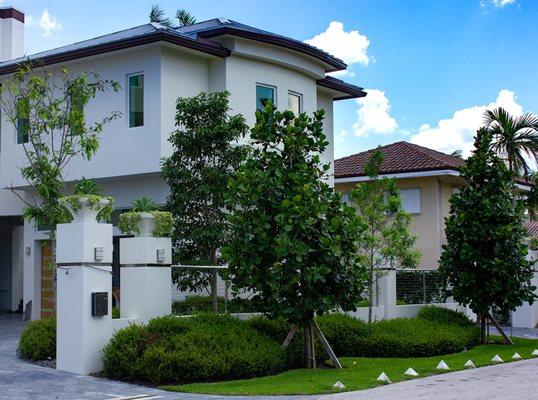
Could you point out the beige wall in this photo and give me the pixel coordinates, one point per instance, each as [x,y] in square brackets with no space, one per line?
[429,224]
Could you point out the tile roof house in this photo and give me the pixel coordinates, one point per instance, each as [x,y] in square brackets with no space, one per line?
[154,65]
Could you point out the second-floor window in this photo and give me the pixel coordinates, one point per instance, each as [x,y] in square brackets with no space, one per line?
[136,100]
[23,121]
[295,102]
[263,95]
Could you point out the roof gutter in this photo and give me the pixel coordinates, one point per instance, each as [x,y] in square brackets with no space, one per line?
[352,91]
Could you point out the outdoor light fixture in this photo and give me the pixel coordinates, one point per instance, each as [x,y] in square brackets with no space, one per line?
[28,250]
[98,254]
[160,255]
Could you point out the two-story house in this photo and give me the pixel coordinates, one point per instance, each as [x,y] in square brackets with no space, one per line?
[154,65]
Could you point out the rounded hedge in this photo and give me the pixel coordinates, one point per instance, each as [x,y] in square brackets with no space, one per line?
[200,348]
[38,340]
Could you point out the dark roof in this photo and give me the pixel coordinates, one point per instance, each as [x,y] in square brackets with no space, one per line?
[351,91]
[532,229]
[222,26]
[196,37]
[399,157]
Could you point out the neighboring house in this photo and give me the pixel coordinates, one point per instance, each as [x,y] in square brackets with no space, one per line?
[155,65]
[426,179]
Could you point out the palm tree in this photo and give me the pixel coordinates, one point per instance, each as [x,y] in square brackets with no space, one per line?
[185,18]
[157,15]
[457,153]
[514,137]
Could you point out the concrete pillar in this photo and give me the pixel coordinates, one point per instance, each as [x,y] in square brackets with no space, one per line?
[387,293]
[84,262]
[145,277]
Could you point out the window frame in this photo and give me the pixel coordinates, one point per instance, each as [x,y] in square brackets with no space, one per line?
[419,197]
[299,96]
[128,100]
[267,86]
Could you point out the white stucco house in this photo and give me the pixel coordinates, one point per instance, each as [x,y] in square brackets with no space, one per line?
[154,65]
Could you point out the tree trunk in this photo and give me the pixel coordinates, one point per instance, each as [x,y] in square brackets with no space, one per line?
[482,319]
[214,295]
[370,295]
[309,354]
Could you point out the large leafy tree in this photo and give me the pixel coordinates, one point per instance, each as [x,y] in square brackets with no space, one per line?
[514,138]
[205,156]
[484,262]
[294,244]
[387,241]
[158,15]
[48,111]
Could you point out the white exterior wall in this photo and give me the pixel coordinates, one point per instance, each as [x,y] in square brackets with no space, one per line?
[11,39]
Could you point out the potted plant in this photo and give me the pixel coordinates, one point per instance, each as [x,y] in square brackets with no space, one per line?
[146,220]
[88,204]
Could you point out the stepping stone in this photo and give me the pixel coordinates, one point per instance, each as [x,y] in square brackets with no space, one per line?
[535,352]
[383,378]
[339,385]
[469,364]
[411,372]
[443,366]
[497,359]
[516,356]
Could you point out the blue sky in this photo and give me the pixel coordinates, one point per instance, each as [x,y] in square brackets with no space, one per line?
[430,67]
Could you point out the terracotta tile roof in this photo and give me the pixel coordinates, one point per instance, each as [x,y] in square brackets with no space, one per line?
[532,228]
[399,157]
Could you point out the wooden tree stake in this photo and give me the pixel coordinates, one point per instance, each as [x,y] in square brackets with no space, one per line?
[506,338]
[326,344]
[291,334]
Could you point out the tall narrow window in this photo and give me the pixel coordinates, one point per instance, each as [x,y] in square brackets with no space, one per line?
[136,100]
[23,120]
[294,102]
[263,95]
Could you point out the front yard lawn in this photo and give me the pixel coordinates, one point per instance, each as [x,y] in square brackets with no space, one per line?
[358,373]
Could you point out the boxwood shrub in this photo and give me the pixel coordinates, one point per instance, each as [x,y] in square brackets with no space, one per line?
[200,348]
[38,340]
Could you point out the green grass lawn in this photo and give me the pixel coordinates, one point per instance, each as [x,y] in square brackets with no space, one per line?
[358,373]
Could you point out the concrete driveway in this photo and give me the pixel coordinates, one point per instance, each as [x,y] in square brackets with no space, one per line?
[21,380]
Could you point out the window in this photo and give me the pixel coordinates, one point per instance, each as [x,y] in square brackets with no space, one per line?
[411,200]
[136,100]
[295,103]
[23,120]
[263,95]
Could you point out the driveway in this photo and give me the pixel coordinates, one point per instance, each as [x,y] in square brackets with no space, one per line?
[21,380]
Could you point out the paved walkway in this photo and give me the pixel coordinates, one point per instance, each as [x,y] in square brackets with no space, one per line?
[22,380]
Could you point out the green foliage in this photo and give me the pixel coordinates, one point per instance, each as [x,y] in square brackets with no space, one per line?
[294,243]
[445,316]
[387,240]
[195,304]
[164,224]
[158,15]
[55,130]
[38,340]
[116,312]
[144,204]
[88,187]
[533,243]
[205,156]
[484,262]
[95,202]
[201,348]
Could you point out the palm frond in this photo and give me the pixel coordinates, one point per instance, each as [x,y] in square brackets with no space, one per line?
[157,15]
[185,18]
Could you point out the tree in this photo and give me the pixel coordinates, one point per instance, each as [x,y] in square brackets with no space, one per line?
[387,241]
[205,156]
[484,262]
[457,153]
[47,110]
[158,15]
[293,242]
[514,138]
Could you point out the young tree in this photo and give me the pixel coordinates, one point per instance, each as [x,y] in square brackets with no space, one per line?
[484,262]
[47,110]
[205,156]
[387,241]
[293,242]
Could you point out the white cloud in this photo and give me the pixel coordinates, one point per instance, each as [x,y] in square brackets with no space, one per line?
[49,24]
[351,46]
[502,3]
[339,137]
[458,131]
[373,115]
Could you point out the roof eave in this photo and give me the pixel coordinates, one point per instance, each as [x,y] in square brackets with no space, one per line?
[350,91]
[399,175]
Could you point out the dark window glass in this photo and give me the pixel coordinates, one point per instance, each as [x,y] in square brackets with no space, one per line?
[136,101]
[263,95]
[23,121]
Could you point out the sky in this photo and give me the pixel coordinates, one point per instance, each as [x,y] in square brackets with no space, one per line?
[430,67]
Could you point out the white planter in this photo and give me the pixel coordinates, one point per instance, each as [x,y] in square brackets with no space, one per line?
[146,225]
[86,212]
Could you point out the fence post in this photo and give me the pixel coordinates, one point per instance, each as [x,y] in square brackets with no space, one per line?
[145,277]
[387,293]
[84,295]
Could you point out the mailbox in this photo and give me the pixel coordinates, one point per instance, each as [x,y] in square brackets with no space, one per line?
[99,304]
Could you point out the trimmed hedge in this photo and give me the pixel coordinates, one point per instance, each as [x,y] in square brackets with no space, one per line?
[38,340]
[200,348]
[195,304]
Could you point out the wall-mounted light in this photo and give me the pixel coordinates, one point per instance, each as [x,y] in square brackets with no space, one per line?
[160,255]
[28,250]
[98,254]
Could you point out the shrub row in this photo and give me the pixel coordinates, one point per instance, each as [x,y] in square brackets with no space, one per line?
[38,340]
[195,304]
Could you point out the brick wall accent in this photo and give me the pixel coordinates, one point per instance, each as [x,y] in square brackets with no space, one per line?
[48,284]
